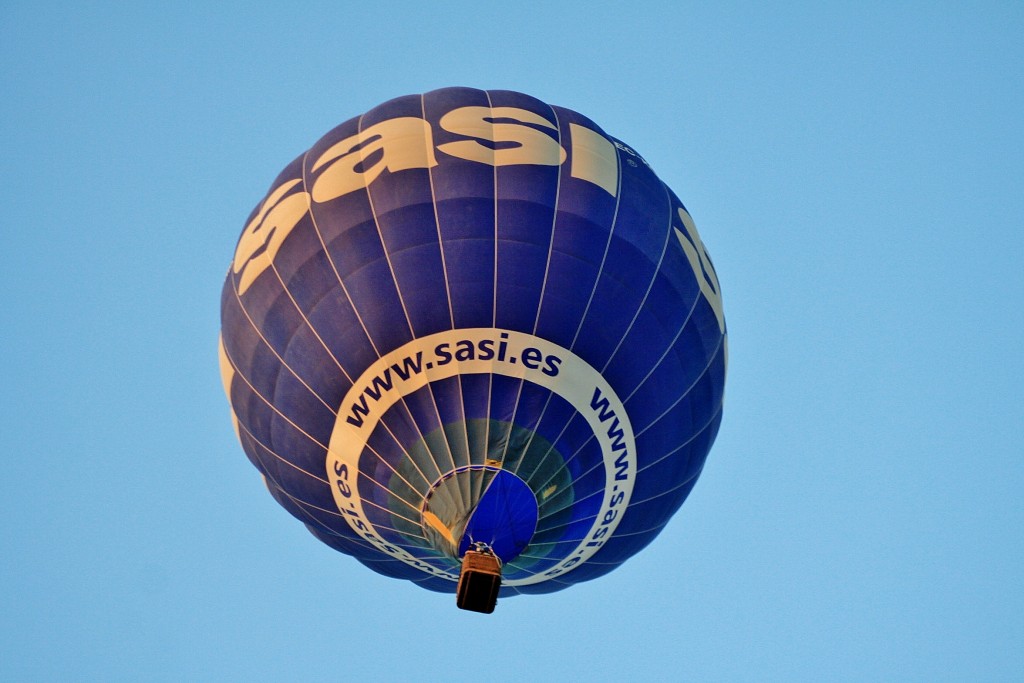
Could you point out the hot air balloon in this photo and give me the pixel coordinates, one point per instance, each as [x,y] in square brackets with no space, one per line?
[470,327]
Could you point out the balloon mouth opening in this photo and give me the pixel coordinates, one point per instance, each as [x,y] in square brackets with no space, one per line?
[480,504]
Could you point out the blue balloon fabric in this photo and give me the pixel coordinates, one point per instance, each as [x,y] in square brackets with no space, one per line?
[469,316]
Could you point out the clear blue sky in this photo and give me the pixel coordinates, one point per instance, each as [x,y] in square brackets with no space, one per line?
[857,172]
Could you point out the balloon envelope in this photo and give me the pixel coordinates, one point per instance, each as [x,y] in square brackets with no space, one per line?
[469,316]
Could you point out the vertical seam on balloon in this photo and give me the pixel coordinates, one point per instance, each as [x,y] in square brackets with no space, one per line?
[604,257]
[547,402]
[494,177]
[540,301]
[554,224]
[590,300]
[409,323]
[448,294]
[494,297]
[437,220]
[383,244]
[355,310]
[405,310]
[494,285]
